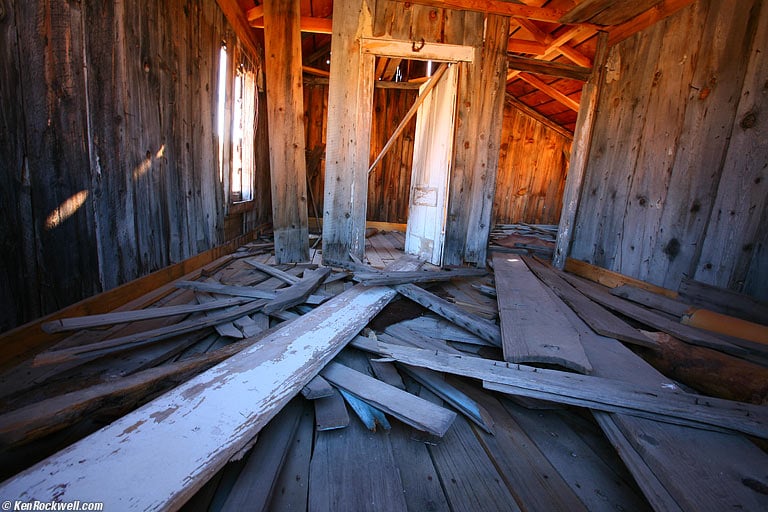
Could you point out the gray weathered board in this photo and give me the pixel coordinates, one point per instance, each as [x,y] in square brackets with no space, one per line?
[533,328]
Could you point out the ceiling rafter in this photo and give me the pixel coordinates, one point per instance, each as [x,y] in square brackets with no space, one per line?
[550,91]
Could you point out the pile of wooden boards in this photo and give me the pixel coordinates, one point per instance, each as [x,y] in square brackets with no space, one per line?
[214,375]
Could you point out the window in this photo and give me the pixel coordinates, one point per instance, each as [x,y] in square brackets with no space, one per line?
[236,122]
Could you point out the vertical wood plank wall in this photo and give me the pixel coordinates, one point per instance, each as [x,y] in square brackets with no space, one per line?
[533,164]
[665,195]
[109,153]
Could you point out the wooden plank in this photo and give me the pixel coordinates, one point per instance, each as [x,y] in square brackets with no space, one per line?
[727,344]
[287,163]
[292,487]
[142,338]
[442,329]
[482,328]
[472,481]
[723,301]
[255,484]
[653,489]
[657,402]
[316,388]
[273,271]
[594,473]
[29,338]
[660,11]
[417,50]
[557,69]
[550,91]
[86,322]
[217,419]
[330,412]
[651,300]
[370,416]
[436,384]
[407,408]
[299,292]
[421,483]
[307,25]
[371,483]
[597,317]
[582,145]
[499,7]
[533,480]
[390,278]
[612,279]
[533,327]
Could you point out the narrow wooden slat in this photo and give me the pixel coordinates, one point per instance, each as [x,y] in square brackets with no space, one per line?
[371,483]
[499,7]
[612,279]
[482,328]
[406,407]
[390,278]
[273,271]
[550,91]
[533,327]
[657,402]
[418,50]
[292,487]
[597,317]
[330,412]
[548,68]
[369,415]
[256,482]
[651,300]
[142,338]
[316,388]
[87,322]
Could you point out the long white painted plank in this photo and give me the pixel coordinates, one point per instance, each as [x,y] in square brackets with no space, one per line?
[157,456]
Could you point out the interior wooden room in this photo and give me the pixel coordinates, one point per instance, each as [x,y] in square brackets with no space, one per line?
[384,255]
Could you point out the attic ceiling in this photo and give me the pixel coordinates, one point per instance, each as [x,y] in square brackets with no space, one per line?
[551,44]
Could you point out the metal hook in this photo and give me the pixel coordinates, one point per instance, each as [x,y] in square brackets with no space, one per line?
[421,45]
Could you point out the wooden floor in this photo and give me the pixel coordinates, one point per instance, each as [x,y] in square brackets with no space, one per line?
[317,455]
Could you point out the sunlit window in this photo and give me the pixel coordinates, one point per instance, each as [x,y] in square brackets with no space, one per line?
[236,123]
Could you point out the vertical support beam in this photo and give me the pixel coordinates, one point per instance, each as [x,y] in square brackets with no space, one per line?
[582,143]
[285,111]
[476,148]
[347,156]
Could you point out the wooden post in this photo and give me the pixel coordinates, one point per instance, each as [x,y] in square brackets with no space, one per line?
[476,146]
[349,132]
[285,112]
[582,143]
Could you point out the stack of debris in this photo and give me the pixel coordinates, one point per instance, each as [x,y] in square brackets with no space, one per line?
[231,388]
[524,238]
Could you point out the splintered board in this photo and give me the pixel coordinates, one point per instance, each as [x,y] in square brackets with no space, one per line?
[533,327]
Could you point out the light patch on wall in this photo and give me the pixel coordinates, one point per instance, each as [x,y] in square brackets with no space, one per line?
[141,169]
[66,209]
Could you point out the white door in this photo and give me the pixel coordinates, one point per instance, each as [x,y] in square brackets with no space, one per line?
[432,151]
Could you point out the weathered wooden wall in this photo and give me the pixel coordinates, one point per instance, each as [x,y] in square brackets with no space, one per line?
[107,136]
[676,179]
[532,169]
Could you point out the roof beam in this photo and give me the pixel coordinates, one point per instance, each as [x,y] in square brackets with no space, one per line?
[548,68]
[559,46]
[525,46]
[496,7]
[550,91]
[308,24]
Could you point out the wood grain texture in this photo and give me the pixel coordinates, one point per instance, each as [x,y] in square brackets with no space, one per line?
[533,328]
[532,167]
[282,46]
[348,140]
[476,144]
[673,148]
